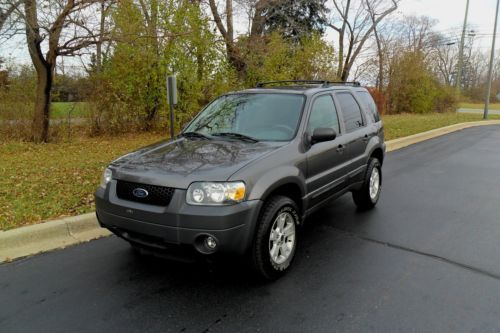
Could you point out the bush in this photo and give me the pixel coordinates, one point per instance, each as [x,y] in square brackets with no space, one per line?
[16,102]
[274,58]
[130,91]
[446,99]
[413,88]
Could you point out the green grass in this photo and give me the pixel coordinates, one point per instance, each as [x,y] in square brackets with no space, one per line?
[62,109]
[397,126]
[493,106]
[40,182]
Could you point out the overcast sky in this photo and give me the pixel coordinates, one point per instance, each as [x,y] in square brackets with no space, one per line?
[449,13]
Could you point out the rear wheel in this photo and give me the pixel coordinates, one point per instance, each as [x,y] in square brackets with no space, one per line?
[275,241]
[367,197]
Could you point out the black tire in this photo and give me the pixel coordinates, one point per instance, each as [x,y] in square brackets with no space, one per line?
[265,267]
[362,197]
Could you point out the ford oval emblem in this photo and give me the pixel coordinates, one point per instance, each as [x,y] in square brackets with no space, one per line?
[140,193]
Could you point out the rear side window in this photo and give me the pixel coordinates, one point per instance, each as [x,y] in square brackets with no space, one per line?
[367,99]
[323,114]
[351,111]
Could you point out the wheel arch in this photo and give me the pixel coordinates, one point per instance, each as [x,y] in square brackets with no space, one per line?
[288,189]
[289,183]
[378,153]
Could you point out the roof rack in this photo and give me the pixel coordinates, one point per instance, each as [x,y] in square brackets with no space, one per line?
[322,83]
[346,83]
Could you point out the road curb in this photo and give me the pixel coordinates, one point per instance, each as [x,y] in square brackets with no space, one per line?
[30,240]
[25,241]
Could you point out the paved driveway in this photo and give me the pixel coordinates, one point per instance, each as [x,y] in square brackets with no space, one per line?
[427,259]
[479,111]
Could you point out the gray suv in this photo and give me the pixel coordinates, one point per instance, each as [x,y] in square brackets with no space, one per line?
[246,172]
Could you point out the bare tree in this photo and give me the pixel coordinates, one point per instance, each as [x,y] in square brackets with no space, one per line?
[53,29]
[417,34]
[104,9]
[380,51]
[444,60]
[355,22]
[227,32]
[7,9]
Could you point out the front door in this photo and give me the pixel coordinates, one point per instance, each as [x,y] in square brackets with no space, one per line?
[327,162]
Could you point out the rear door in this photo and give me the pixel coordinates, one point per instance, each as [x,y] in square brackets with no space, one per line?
[372,111]
[327,161]
[358,133]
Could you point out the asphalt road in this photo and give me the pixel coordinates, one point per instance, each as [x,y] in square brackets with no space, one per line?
[427,259]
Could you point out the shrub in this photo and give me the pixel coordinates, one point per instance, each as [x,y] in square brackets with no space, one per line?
[16,102]
[413,89]
[446,99]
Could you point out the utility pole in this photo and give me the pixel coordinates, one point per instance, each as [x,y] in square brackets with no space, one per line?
[461,53]
[490,69]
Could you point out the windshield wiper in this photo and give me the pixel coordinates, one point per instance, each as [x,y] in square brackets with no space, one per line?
[195,135]
[238,136]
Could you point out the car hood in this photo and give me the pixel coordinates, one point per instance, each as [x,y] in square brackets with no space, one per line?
[182,161]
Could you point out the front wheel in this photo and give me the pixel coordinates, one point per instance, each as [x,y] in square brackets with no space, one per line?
[367,197]
[275,241]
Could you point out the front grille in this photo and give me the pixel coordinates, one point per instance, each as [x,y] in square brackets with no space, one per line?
[157,195]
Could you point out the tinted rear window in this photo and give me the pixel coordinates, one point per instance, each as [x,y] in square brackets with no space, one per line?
[367,99]
[351,111]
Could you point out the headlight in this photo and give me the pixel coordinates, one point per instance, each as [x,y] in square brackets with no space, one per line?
[211,193]
[106,177]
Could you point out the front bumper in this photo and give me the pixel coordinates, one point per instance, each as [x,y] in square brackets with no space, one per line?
[178,225]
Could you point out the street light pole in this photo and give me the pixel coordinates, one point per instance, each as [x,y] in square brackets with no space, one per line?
[461,53]
[490,69]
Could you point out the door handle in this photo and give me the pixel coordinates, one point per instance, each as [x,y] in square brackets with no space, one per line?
[366,138]
[340,148]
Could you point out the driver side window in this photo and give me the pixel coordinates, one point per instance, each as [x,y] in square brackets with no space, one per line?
[323,114]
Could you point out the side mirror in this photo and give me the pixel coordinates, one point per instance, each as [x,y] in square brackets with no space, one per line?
[323,134]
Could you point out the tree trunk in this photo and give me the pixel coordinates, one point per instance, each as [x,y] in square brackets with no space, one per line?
[340,61]
[233,54]
[101,32]
[380,78]
[258,19]
[45,72]
[40,125]
[345,73]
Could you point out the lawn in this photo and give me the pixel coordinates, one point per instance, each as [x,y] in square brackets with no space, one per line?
[40,182]
[64,109]
[397,126]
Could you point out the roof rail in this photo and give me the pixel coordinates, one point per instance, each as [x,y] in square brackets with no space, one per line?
[323,83]
[345,83]
[262,84]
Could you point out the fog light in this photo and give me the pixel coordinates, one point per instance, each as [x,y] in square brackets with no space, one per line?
[210,242]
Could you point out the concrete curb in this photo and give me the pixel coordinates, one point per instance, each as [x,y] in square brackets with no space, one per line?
[48,236]
[68,231]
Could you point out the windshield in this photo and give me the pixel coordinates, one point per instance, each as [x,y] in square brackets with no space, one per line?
[266,117]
